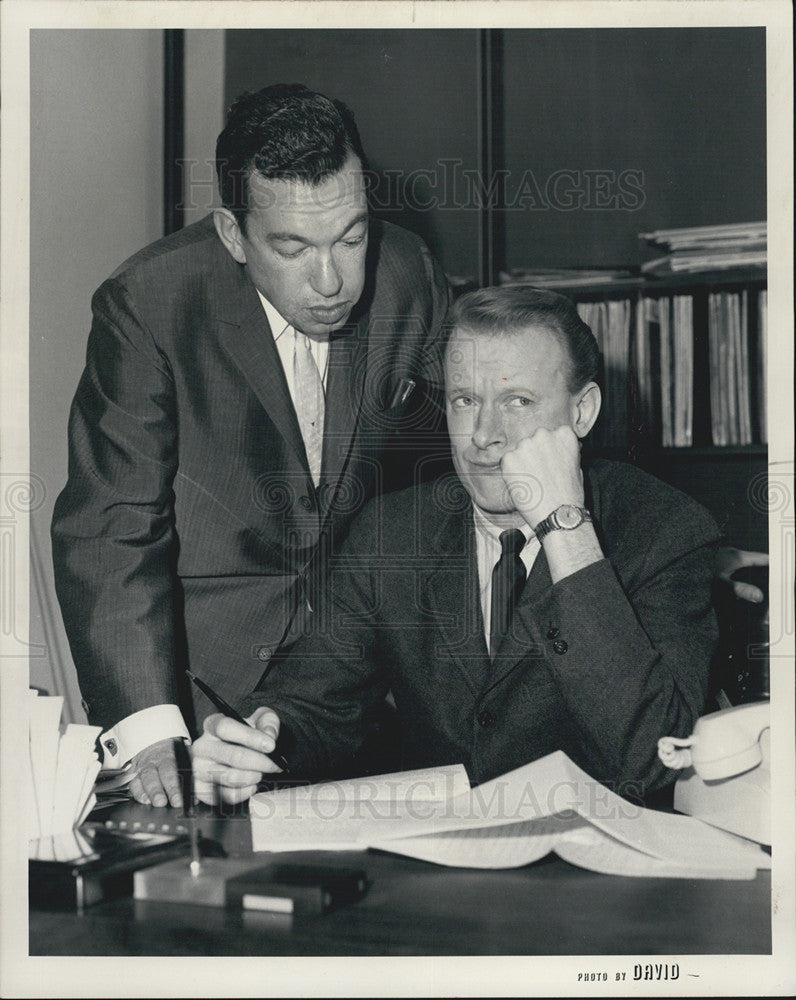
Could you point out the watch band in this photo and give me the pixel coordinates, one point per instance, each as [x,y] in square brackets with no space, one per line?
[567,517]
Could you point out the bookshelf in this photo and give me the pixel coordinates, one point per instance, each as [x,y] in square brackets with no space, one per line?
[524,94]
[714,458]
[700,347]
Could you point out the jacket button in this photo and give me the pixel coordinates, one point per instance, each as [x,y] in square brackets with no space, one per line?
[552,632]
[305,502]
[486,719]
[560,647]
[264,652]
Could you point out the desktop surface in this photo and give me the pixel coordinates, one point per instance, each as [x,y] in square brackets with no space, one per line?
[416,908]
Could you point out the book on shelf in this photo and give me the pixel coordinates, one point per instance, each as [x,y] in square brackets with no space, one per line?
[645,370]
[610,324]
[547,806]
[742,369]
[717,399]
[666,367]
[683,371]
[762,359]
[729,359]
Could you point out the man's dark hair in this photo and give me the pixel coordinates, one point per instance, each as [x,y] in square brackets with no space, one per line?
[285,131]
[510,309]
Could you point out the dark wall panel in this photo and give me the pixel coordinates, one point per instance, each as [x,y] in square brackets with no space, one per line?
[684,109]
[414,96]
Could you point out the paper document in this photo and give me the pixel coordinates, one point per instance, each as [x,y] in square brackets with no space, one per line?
[548,805]
[332,815]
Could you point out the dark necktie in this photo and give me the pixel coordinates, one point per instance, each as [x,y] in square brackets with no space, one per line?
[508,579]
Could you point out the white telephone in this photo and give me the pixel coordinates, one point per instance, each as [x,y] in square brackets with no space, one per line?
[727,776]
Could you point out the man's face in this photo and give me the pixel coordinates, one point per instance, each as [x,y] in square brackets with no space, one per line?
[498,391]
[304,246]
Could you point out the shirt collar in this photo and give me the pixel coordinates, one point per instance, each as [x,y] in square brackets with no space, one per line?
[491,531]
[280,325]
[276,321]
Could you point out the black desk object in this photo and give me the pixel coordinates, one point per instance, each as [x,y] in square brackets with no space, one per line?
[416,908]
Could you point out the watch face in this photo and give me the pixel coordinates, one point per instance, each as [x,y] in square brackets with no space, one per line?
[568,516]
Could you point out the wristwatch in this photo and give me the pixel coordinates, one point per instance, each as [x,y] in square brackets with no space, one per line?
[564,518]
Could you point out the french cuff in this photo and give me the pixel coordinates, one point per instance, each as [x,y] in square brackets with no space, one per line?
[140,730]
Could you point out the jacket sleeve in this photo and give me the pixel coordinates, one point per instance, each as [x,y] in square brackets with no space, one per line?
[113,527]
[433,361]
[328,689]
[631,656]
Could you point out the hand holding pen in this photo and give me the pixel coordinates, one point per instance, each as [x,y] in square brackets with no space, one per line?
[232,755]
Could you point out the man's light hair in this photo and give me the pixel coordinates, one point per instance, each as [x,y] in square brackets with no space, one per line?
[507,310]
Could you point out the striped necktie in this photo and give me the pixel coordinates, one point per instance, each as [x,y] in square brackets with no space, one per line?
[310,403]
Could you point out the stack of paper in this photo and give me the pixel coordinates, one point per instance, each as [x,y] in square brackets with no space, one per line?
[63,768]
[331,815]
[565,277]
[705,248]
[548,805]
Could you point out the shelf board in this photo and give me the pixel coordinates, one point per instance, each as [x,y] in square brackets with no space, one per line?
[723,278]
[717,451]
[698,452]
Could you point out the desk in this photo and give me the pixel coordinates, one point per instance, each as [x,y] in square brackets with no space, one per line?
[415,908]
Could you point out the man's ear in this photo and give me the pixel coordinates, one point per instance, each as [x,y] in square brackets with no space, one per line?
[587,408]
[229,233]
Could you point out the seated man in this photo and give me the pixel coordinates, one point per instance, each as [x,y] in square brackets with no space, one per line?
[551,604]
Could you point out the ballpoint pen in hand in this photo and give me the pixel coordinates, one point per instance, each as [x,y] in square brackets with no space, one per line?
[230,712]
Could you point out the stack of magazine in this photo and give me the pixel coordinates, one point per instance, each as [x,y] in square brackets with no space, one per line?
[706,248]
[565,277]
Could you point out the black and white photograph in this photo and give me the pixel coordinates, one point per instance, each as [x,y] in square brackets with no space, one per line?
[397,499]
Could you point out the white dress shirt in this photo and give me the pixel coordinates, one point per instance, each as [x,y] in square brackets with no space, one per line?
[282,331]
[159,722]
[487,547]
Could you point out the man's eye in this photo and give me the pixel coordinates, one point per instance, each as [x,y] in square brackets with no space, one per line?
[461,402]
[290,254]
[519,402]
[354,241]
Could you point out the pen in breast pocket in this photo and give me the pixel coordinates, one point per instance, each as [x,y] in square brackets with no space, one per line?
[405,389]
[230,712]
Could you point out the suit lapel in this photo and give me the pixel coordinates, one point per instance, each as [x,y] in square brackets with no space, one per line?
[453,597]
[247,338]
[344,394]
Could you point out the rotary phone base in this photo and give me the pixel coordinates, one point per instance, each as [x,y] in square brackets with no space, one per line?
[726,762]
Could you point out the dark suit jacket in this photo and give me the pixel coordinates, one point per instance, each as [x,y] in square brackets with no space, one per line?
[189,526]
[599,665]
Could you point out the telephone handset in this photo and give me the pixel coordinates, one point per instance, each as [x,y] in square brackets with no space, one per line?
[726,779]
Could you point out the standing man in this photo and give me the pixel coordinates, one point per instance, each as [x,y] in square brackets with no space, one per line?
[245,383]
[536,605]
